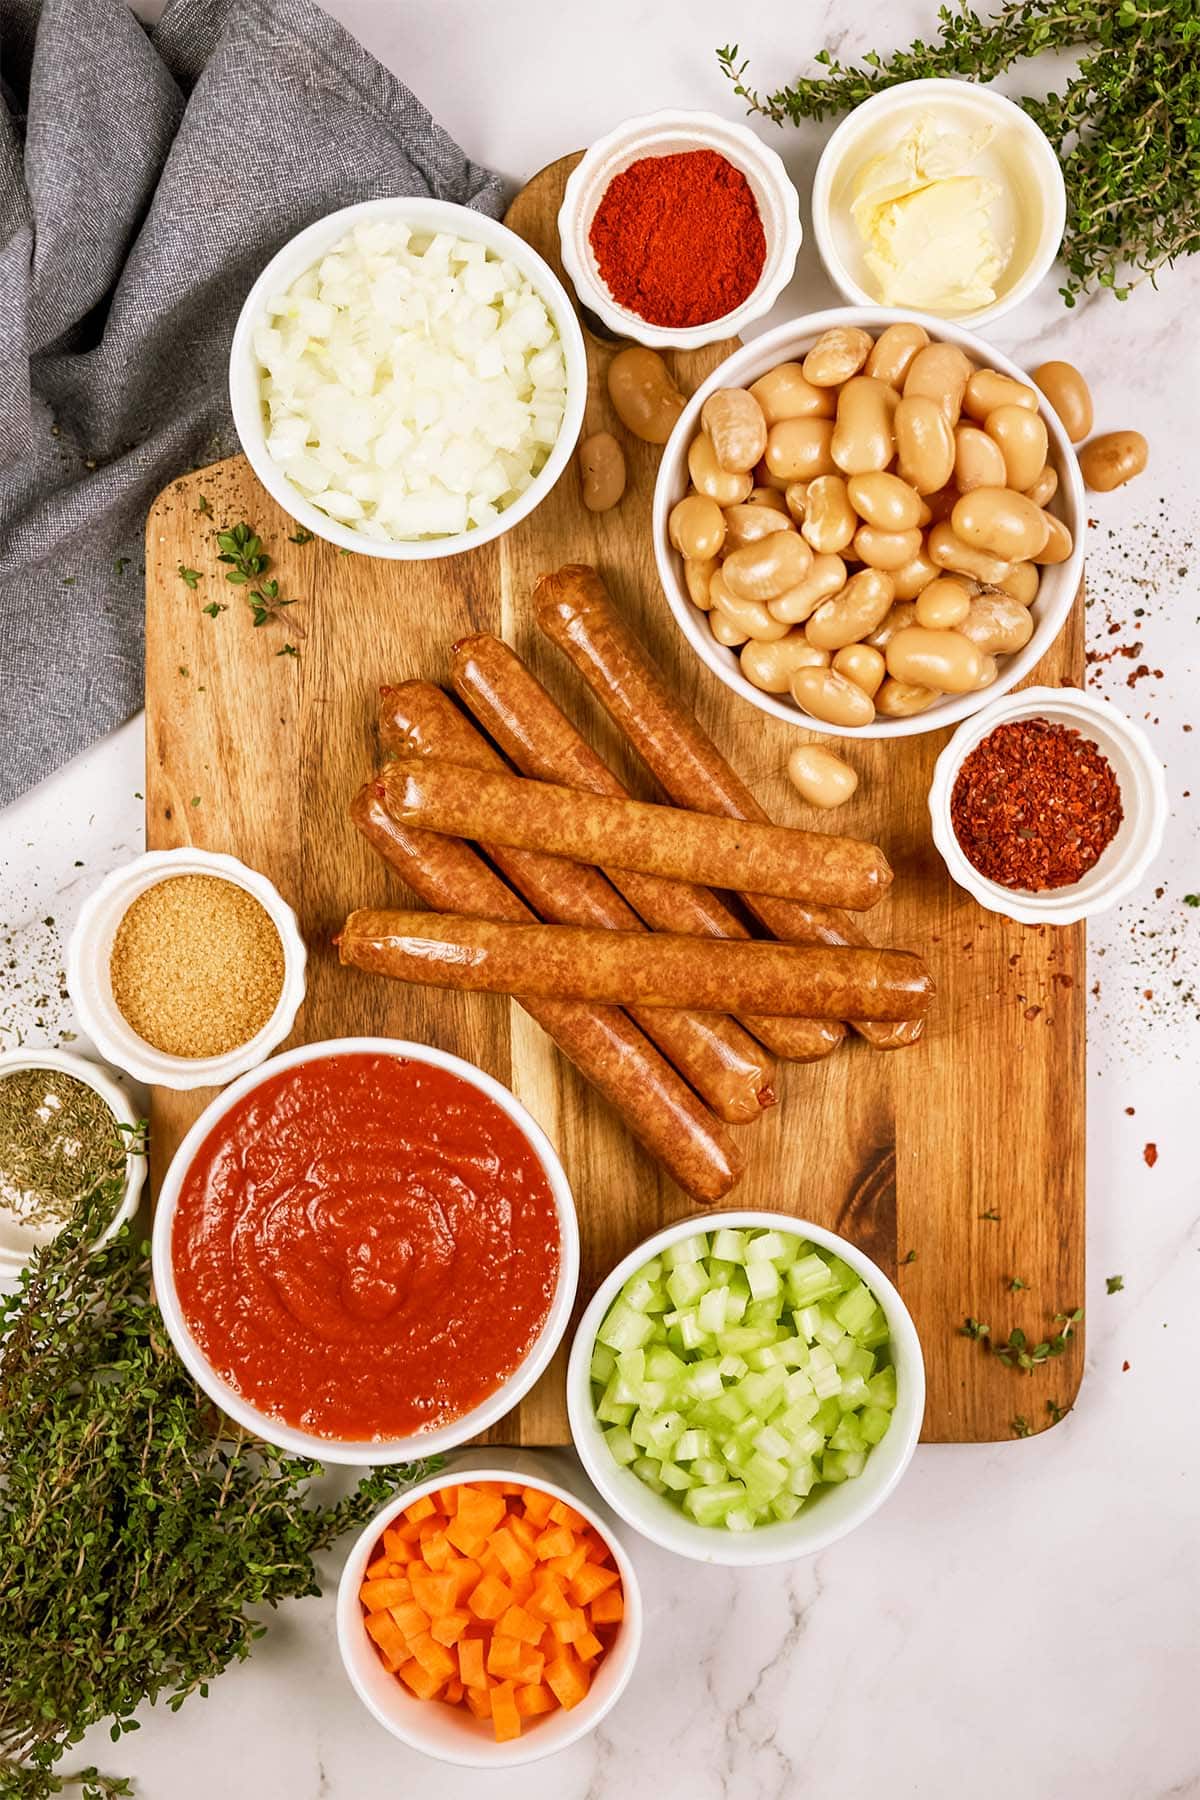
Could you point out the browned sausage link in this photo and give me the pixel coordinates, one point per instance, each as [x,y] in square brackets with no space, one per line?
[720,1060]
[573,609]
[661,1111]
[643,968]
[510,702]
[633,834]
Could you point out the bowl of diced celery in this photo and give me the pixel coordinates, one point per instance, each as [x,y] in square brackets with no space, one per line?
[746,1392]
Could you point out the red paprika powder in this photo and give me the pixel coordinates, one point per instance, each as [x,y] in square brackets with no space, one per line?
[1035,805]
[678,239]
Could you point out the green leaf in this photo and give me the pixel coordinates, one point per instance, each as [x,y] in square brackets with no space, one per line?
[190,576]
[1113,1284]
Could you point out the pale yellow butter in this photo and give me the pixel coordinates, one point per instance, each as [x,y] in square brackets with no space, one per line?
[925,224]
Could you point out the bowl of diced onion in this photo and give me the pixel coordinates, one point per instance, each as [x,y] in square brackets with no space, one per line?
[407,378]
[748,1392]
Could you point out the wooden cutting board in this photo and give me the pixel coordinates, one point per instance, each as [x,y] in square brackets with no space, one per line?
[958,1165]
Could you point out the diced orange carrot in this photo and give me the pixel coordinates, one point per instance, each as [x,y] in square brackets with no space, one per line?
[452,1693]
[534,1699]
[382,1567]
[567,1679]
[434,1593]
[396,1545]
[598,1550]
[514,1560]
[608,1609]
[506,1720]
[470,1662]
[518,1623]
[480,1701]
[423,1508]
[490,1598]
[484,1510]
[568,1567]
[531,1667]
[522,1588]
[591,1581]
[436,1549]
[562,1514]
[556,1540]
[448,1627]
[588,1645]
[537,1505]
[465,1572]
[549,1598]
[423,1684]
[504,1656]
[447,1499]
[389,1637]
[490,1563]
[572,1627]
[524,1532]
[377,1596]
[511,1487]
[465,1536]
[411,1618]
[433,1657]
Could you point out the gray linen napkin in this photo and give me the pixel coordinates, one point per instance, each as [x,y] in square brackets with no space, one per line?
[145,178]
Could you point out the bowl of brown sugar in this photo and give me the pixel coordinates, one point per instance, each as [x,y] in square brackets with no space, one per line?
[186,968]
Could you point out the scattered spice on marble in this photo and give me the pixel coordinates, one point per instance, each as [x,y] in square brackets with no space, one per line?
[59,1140]
[1150,1155]
[1113,1284]
[197,966]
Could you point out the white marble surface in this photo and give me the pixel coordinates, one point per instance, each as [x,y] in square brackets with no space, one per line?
[1020,1618]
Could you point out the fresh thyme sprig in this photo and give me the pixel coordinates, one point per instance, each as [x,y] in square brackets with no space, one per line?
[1018,1353]
[242,548]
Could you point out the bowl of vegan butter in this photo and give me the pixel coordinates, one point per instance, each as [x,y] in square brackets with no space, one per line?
[939,196]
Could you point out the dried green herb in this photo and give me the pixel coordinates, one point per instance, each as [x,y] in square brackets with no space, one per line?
[58,1140]
[1125,126]
[1113,1284]
[1020,1426]
[1018,1352]
[139,1529]
[300,536]
[190,576]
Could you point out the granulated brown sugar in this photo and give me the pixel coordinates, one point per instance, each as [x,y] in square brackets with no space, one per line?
[196,966]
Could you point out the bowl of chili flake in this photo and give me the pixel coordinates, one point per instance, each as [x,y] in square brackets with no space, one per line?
[678,228]
[1048,806]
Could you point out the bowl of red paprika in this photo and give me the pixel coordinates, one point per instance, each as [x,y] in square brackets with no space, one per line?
[678,228]
[1048,806]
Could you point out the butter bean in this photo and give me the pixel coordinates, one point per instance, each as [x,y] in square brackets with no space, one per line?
[601,471]
[863,665]
[799,449]
[989,668]
[1069,395]
[734,421]
[837,354]
[1045,487]
[829,519]
[885,501]
[853,614]
[826,576]
[770,666]
[914,576]
[1059,543]
[724,629]
[772,565]
[1023,442]
[997,624]
[943,604]
[644,396]
[944,547]
[987,389]
[697,577]
[1002,521]
[901,615]
[885,549]
[863,437]
[901,699]
[766,496]
[795,498]
[939,372]
[943,660]
[828,696]
[1112,459]
[696,527]
[726,486]
[1021,582]
[978,460]
[924,442]
[747,524]
[820,777]
[763,478]
[783,393]
[895,347]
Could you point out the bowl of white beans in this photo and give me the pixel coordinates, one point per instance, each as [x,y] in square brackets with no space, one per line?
[869,523]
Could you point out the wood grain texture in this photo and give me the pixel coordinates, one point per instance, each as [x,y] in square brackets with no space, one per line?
[258,754]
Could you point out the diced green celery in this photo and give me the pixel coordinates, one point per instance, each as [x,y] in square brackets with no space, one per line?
[704,1380]
[625,1329]
[809,1279]
[709,1505]
[826,1383]
[735,1455]
[785,1506]
[798,1385]
[858,1362]
[794,1418]
[647,1470]
[664,1430]
[853,1462]
[831,1467]
[765,1246]
[711,1311]
[874,1422]
[674,1317]
[686,1283]
[802,1478]
[763,1315]
[729,1245]
[663,1365]
[611,1411]
[720,1272]
[653,1269]
[842,1273]
[639,1428]
[675,1479]
[735,1340]
[806,1319]
[692,1334]
[853,1394]
[640,1294]
[882,1388]
[829,1332]
[740,1518]
[806,1443]
[708,1470]
[855,1308]
[735,1306]
[826,1418]
[602,1365]
[733,1367]
[764,1280]
[693,1444]
[652,1395]
[621,1446]
[875,1333]
[771,1442]
[848,1436]
[765,1357]
[632,1364]
[686,1250]
[843,1350]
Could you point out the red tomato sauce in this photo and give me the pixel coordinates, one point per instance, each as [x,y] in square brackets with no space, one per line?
[365,1247]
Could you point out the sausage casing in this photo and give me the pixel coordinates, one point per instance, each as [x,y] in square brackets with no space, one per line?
[661,1111]
[572,962]
[574,611]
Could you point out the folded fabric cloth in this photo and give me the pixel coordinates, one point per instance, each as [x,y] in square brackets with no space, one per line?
[145,179]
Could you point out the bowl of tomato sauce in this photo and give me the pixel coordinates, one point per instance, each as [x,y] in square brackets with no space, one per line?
[365,1250]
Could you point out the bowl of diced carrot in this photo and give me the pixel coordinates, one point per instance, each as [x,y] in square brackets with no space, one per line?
[489,1618]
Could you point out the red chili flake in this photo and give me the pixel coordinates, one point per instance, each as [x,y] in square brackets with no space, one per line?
[1129,1111]
[1035,805]
[1150,1155]
[1124,1368]
[1031,1012]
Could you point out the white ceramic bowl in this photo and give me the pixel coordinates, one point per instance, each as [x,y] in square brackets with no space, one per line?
[17,1241]
[298,254]
[366,1451]
[1059,585]
[90,985]
[1033,210]
[454,1734]
[1122,866]
[669,134]
[830,1514]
